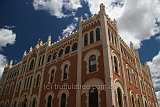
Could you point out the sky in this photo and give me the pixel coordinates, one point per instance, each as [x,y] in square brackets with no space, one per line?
[24,22]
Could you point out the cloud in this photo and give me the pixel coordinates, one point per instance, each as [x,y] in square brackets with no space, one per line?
[158,96]
[71,27]
[158,38]
[155,73]
[3,61]
[136,18]
[56,7]
[6,37]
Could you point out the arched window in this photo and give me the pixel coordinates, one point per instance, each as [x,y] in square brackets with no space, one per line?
[139,103]
[92,63]
[38,80]
[60,53]
[19,86]
[31,65]
[34,102]
[63,100]
[119,94]
[11,88]
[115,65]
[93,97]
[85,40]
[25,103]
[65,72]
[15,103]
[52,76]
[91,37]
[49,58]
[67,50]
[7,104]
[49,101]
[74,47]
[133,101]
[129,75]
[97,34]
[146,104]
[55,55]
[39,63]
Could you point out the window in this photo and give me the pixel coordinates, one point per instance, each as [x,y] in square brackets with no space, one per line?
[91,37]
[30,82]
[38,80]
[74,47]
[7,104]
[49,101]
[60,52]
[115,65]
[63,100]
[92,63]
[19,86]
[97,34]
[31,65]
[15,103]
[52,76]
[129,75]
[55,55]
[135,79]
[67,50]
[119,94]
[93,97]
[39,61]
[34,102]
[11,88]
[49,58]
[65,72]
[86,40]
[139,104]
[109,35]
[133,102]
[42,59]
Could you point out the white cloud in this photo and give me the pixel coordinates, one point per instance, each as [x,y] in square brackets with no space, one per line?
[155,73]
[158,38]
[70,27]
[136,18]
[55,7]
[3,61]
[6,37]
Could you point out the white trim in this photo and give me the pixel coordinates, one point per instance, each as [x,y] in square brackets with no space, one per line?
[95,52]
[60,94]
[49,73]
[46,97]
[67,62]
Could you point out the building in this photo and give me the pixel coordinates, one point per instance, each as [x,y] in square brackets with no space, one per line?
[92,67]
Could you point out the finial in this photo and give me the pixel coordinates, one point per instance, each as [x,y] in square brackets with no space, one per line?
[41,43]
[81,18]
[30,49]
[25,53]
[11,62]
[6,65]
[131,46]
[102,8]
[49,40]
[37,46]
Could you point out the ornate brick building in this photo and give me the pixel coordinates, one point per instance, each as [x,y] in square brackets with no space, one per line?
[92,67]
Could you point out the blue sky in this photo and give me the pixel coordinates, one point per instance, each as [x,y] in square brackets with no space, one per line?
[24,22]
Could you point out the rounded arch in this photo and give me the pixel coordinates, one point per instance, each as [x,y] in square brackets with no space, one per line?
[31,63]
[74,46]
[67,49]
[60,52]
[50,93]
[68,63]
[51,73]
[37,78]
[60,93]
[11,87]
[7,103]
[95,52]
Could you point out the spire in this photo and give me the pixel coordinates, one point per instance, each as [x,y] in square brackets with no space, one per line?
[25,53]
[30,49]
[131,46]
[49,40]
[41,43]
[102,9]
[80,21]
[11,62]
